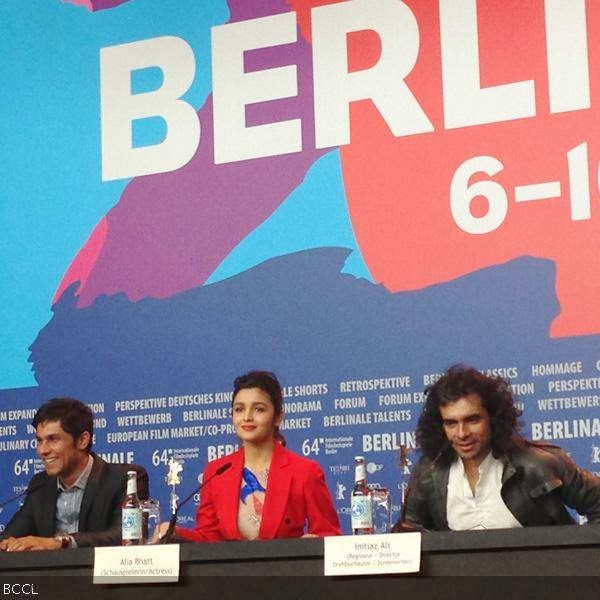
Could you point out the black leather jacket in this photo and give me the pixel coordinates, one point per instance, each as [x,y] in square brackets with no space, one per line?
[538,482]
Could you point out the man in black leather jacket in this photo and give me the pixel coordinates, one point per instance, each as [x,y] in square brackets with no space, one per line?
[478,472]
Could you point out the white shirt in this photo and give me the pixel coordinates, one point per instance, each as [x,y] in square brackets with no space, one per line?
[483,510]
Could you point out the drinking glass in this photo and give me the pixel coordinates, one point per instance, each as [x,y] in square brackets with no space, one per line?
[150,518]
[381,506]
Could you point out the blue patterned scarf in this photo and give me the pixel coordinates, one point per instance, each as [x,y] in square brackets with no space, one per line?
[251,485]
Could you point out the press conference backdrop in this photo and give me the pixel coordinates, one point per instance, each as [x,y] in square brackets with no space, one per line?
[354,195]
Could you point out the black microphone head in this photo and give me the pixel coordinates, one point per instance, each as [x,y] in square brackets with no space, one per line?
[445,446]
[223,468]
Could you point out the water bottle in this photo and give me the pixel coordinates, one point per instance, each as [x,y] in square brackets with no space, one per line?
[131,520]
[362,517]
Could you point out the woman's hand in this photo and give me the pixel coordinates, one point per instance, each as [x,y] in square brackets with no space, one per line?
[159,532]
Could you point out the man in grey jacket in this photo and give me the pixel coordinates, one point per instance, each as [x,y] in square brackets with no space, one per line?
[76,500]
[478,472]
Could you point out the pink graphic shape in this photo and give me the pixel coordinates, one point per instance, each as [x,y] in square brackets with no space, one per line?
[94,5]
[83,264]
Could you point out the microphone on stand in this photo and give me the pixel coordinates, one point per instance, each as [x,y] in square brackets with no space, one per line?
[166,539]
[401,525]
[34,488]
[26,492]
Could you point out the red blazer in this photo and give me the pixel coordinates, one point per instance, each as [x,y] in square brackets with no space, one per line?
[297,495]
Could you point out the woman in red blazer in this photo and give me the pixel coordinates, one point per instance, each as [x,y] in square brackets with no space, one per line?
[268,491]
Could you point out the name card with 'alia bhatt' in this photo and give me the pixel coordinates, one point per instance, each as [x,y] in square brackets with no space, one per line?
[136,564]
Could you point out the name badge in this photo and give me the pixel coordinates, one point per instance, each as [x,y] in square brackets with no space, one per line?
[373,554]
[136,564]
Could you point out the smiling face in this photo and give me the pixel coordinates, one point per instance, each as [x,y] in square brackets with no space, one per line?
[467,426]
[254,417]
[62,455]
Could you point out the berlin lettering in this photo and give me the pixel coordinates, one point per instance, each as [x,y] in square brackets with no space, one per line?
[465,101]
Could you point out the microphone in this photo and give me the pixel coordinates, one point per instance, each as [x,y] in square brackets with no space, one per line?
[26,492]
[165,539]
[40,485]
[400,525]
[445,446]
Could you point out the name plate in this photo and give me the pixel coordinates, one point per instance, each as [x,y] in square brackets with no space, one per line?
[136,564]
[373,554]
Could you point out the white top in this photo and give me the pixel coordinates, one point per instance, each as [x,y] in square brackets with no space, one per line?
[485,509]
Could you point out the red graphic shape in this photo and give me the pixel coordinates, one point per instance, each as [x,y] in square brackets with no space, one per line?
[398,189]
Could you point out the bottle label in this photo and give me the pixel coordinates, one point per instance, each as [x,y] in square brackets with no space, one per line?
[360,472]
[132,524]
[131,485]
[360,509]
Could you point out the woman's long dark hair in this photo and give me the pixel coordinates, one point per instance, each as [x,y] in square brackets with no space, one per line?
[457,382]
[268,383]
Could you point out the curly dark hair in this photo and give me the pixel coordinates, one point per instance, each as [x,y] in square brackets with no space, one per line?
[459,381]
[268,383]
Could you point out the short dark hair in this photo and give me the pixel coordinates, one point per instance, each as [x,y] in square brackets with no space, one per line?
[268,383]
[74,416]
[457,382]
